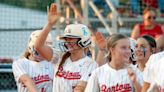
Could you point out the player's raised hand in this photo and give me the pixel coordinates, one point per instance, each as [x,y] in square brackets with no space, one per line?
[132,75]
[153,88]
[53,15]
[100,41]
[133,78]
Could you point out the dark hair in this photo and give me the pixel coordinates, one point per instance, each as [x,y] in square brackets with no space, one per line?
[64,57]
[150,40]
[112,42]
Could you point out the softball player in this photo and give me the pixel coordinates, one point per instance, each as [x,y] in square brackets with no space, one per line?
[32,73]
[146,45]
[147,74]
[158,78]
[101,43]
[75,67]
[116,75]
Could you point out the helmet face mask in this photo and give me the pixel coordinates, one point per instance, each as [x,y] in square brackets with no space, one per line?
[68,46]
[77,31]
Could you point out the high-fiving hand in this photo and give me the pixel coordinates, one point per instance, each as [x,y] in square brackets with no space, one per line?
[132,75]
[101,41]
[53,15]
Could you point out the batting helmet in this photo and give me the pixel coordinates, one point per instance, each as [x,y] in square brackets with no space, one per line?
[33,36]
[78,31]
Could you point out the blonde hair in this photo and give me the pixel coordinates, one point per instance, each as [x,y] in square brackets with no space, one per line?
[148,9]
[25,54]
[112,42]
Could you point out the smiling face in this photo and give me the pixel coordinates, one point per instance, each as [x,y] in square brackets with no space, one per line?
[72,44]
[143,50]
[121,52]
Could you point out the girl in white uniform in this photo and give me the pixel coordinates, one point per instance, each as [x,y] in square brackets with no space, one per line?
[148,75]
[32,73]
[116,75]
[145,46]
[157,84]
[75,67]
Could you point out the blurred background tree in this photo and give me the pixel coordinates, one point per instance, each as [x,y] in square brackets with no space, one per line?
[32,4]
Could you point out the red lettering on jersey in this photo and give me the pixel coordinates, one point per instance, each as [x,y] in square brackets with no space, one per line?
[68,75]
[43,90]
[41,78]
[121,87]
[103,88]
[116,88]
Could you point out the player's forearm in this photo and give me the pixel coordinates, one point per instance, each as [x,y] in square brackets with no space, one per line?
[145,87]
[43,35]
[100,57]
[31,87]
[28,82]
[137,87]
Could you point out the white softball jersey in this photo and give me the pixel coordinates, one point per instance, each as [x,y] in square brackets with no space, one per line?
[107,79]
[57,54]
[136,66]
[40,72]
[71,73]
[147,74]
[158,77]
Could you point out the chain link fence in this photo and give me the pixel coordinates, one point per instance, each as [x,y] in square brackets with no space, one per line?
[18,19]
[7,82]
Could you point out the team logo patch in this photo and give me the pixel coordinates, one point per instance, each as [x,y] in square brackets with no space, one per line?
[84,31]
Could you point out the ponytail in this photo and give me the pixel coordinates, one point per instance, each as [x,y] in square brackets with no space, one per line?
[64,57]
[26,54]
